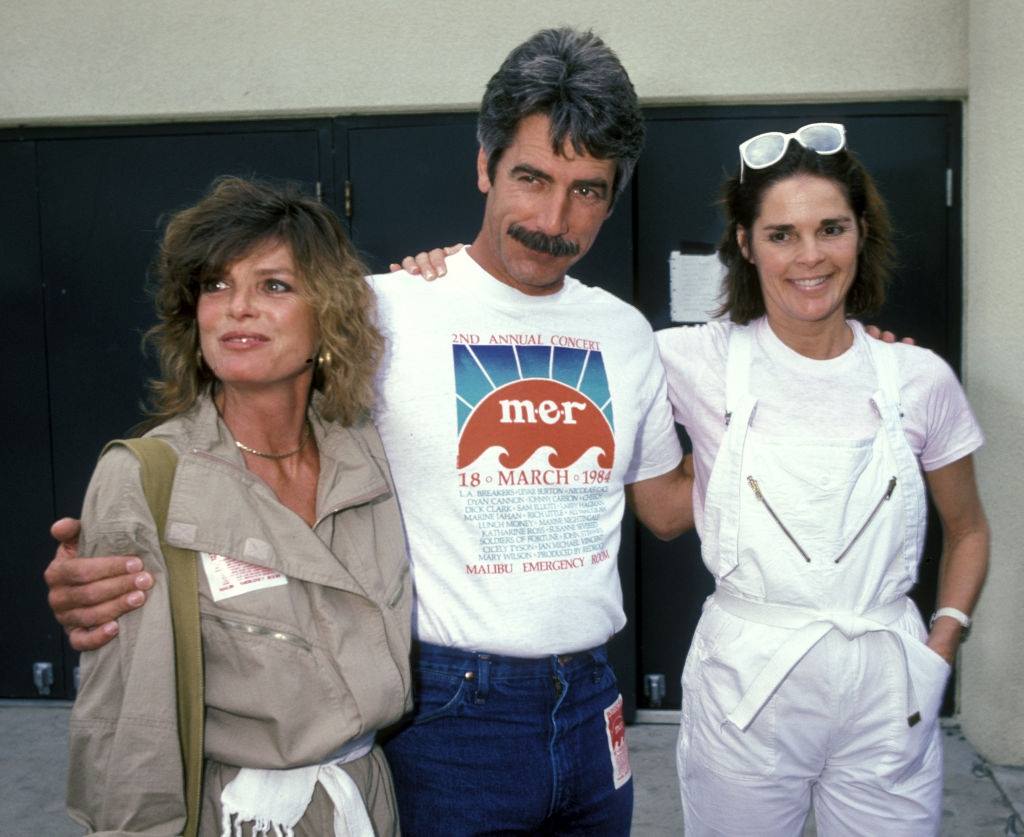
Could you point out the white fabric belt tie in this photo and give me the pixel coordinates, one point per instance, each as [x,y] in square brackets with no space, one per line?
[809,627]
[275,800]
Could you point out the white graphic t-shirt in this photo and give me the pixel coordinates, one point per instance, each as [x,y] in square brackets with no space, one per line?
[512,423]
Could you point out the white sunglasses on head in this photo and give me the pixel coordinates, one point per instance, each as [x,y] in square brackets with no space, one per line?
[767,149]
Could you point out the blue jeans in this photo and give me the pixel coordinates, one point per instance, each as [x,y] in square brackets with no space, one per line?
[505,745]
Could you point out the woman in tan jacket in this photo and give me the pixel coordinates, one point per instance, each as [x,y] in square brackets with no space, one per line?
[267,351]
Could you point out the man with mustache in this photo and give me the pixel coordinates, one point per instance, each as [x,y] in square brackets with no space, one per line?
[551,245]
[518,721]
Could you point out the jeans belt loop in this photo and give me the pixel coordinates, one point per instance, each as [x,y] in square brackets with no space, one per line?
[483,676]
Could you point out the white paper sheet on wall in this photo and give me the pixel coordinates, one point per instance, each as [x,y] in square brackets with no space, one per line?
[695,282]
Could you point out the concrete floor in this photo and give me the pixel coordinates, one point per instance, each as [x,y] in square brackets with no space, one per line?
[981,800]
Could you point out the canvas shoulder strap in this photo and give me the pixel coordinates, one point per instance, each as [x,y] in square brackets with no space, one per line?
[158,462]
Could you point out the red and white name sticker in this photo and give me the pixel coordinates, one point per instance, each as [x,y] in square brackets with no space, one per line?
[230,577]
[615,726]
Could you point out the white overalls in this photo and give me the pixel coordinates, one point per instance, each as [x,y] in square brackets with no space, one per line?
[808,677]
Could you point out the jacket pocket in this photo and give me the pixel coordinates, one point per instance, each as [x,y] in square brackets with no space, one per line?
[274,699]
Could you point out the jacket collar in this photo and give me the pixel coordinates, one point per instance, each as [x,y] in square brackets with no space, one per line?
[218,506]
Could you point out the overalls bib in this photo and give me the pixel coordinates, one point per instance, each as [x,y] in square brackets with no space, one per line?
[814,544]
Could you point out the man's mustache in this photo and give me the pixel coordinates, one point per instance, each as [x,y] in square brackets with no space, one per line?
[550,245]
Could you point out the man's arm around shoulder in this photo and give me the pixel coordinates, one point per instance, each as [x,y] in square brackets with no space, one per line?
[664,504]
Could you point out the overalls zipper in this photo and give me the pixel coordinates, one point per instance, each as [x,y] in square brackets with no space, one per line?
[760,496]
[775,517]
[874,511]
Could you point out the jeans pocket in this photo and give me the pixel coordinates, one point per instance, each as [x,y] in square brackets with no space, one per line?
[437,694]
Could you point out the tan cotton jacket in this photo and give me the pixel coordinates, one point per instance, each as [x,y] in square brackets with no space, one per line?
[293,671]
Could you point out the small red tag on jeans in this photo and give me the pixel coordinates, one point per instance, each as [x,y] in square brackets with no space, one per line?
[615,727]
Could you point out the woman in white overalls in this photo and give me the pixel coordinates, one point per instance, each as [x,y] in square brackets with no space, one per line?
[812,679]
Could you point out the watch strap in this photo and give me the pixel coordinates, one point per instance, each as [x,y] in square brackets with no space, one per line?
[954,613]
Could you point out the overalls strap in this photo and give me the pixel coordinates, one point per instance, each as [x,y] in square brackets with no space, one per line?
[889,403]
[884,359]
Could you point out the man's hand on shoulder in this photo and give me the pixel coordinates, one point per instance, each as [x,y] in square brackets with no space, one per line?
[430,264]
[88,595]
[887,336]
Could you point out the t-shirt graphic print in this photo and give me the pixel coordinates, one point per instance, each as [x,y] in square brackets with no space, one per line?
[536,447]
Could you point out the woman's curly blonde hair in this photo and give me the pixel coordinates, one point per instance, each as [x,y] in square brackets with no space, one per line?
[235,217]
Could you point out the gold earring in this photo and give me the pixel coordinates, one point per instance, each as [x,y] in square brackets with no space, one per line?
[323,360]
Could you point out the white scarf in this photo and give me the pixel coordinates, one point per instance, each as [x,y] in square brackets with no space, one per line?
[275,800]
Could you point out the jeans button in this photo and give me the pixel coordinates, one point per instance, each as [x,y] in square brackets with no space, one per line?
[470,675]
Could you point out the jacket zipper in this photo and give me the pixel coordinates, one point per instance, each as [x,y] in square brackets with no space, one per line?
[888,493]
[351,503]
[885,496]
[259,630]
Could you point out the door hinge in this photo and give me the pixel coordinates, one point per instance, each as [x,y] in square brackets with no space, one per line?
[320,191]
[949,187]
[348,198]
[42,677]
[654,689]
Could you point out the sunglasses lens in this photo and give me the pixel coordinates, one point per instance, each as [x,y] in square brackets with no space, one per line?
[825,139]
[764,150]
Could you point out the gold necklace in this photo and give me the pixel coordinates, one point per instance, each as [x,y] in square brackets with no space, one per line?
[266,455]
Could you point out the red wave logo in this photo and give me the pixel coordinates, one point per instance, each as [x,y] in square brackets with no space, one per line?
[524,416]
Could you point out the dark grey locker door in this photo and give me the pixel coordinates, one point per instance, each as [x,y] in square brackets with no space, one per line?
[413,186]
[908,148]
[101,199]
[26,473]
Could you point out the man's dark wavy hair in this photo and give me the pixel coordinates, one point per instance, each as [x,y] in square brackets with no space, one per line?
[575,80]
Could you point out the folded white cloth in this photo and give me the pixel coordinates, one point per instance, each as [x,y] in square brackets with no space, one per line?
[275,800]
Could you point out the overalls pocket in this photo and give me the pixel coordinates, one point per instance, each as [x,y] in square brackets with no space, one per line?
[713,683]
[910,744]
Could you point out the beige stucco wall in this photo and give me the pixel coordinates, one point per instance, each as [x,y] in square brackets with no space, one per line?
[121,60]
[992,662]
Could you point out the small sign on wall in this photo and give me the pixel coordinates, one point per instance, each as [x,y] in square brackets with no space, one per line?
[695,283]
